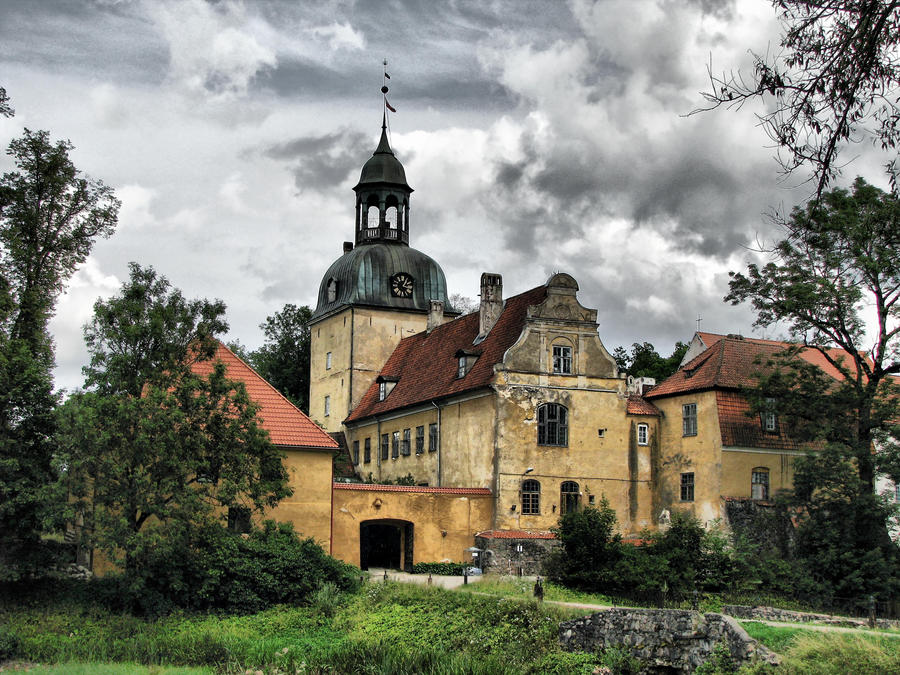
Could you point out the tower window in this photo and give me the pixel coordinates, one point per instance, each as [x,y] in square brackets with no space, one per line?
[689,419]
[331,290]
[328,361]
[643,433]
[327,406]
[553,424]
[687,487]
[531,498]
[562,359]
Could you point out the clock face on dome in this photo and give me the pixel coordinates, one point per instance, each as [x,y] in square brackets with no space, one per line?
[401,285]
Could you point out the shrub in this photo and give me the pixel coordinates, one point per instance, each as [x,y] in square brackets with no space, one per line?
[439,568]
[9,644]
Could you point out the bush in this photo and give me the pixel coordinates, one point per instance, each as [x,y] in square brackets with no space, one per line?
[9,644]
[447,569]
[212,568]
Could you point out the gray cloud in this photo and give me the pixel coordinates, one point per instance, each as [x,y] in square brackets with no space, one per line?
[324,161]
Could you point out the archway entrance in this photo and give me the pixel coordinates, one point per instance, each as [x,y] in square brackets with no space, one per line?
[386,543]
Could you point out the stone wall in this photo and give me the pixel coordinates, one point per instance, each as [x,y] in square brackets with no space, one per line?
[666,641]
[503,557]
[776,614]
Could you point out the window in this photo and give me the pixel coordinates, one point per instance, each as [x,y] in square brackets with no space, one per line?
[687,487]
[531,498]
[384,446]
[432,437]
[689,419]
[395,445]
[759,483]
[356,452]
[553,424]
[461,367]
[327,406]
[568,497]
[420,440]
[328,361]
[464,362]
[382,390]
[562,359]
[404,446]
[332,290]
[239,519]
[367,451]
[643,433]
[768,418]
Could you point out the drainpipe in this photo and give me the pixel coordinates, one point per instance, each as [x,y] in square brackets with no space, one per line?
[440,436]
[378,446]
[350,369]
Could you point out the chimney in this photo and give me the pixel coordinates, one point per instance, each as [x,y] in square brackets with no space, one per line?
[491,303]
[348,246]
[435,315]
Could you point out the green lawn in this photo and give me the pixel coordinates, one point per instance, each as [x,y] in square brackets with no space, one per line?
[115,669]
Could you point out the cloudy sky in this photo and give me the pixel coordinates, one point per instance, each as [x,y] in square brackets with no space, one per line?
[539,135]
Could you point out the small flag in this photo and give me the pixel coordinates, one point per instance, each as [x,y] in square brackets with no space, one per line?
[389,106]
[386,75]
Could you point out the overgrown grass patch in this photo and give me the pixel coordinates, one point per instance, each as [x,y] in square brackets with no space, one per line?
[115,669]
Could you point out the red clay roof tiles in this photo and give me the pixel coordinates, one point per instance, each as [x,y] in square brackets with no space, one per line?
[638,405]
[425,364]
[739,429]
[287,425]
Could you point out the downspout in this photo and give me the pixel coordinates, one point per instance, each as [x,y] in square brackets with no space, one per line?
[378,446]
[331,527]
[440,439]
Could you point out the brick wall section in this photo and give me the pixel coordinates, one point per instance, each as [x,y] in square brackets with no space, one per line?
[671,641]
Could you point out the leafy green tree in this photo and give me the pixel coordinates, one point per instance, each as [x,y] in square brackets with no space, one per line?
[834,281]
[835,80]
[589,550]
[283,359]
[150,442]
[645,361]
[50,216]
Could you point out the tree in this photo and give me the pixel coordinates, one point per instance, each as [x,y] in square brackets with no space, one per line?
[645,361]
[150,444]
[835,81]
[50,216]
[5,108]
[832,281]
[283,359]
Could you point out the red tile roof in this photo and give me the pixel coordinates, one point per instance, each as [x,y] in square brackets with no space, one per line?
[638,405]
[425,364]
[287,425]
[515,534]
[740,429]
[412,488]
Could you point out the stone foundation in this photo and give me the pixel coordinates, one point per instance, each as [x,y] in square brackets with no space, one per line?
[666,641]
[502,555]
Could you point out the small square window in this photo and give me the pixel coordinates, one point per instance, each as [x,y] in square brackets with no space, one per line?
[687,487]
[327,406]
[643,433]
[420,440]
[367,451]
[328,361]
[689,419]
[562,359]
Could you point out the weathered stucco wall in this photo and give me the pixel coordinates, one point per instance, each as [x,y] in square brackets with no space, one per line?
[443,520]
[738,466]
[329,335]
[309,508]
[700,455]
[671,641]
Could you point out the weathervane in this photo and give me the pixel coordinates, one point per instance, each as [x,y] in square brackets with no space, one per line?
[699,319]
[384,88]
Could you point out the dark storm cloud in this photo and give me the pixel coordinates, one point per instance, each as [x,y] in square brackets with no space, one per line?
[723,9]
[321,162]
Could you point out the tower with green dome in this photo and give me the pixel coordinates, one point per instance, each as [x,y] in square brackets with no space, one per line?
[378,292]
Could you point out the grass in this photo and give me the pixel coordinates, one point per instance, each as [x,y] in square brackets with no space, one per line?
[776,638]
[114,669]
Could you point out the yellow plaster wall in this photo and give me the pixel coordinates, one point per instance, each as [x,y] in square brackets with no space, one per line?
[737,467]
[309,508]
[700,454]
[443,524]
[330,335]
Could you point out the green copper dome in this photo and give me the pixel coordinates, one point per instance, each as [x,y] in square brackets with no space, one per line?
[383,167]
[364,277]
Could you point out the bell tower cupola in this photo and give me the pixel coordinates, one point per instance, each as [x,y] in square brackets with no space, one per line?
[382,197]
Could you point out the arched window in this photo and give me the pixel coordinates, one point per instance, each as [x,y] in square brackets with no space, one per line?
[553,424]
[373,216]
[531,498]
[759,483]
[331,290]
[568,497]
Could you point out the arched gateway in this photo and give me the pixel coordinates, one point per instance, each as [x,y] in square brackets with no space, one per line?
[386,543]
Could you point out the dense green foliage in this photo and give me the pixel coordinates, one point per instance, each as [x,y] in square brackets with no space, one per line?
[441,568]
[283,360]
[835,282]
[50,216]
[645,361]
[153,448]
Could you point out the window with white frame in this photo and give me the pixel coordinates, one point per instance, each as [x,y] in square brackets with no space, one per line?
[461,367]
[531,498]
[643,434]
[759,483]
[328,361]
[382,390]
[687,487]
[562,359]
[768,417]
[689,419]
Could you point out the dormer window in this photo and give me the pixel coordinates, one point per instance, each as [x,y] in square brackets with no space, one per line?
[464,362]
[768,418]
[331,290]
[382,390]
[385,386]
